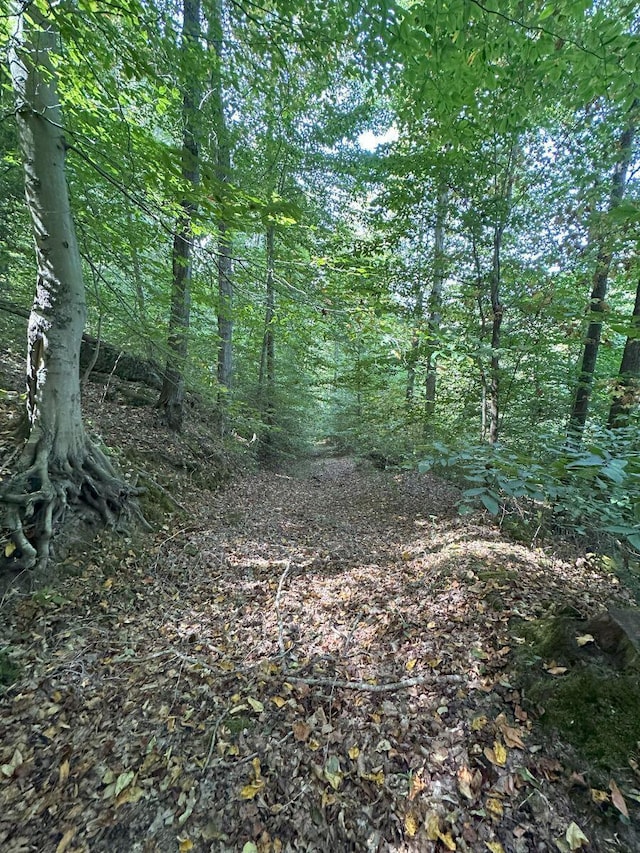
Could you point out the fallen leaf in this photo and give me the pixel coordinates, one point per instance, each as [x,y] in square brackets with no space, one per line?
[354,752]
[465,778]
[494,846]
[257,706]
[123,781]
[410,664]
[557,670]
[278,701]
[129,795]
[328,799]
[332,772]
[433,826]
[185,845]
[63,772]
[66,840]
[16,761]
[447,840]
[575,837]
[9,548]
[410,824]
[599,796]
[301,730]
[617,799]
[497,755]
[478,723]
[494,805]
[249,791]
[583,639]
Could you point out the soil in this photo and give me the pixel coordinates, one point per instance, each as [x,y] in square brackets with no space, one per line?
[318,660]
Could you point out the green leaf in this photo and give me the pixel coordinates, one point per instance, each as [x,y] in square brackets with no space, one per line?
[491,504]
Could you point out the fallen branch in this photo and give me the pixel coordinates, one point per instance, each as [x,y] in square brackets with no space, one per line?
[283,577]
[377,688]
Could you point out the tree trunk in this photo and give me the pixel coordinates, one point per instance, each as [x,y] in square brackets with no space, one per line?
[497,312]
[59,466]
[414,353]
[580,407]
[435,304]
[223,174]
[171,400]
[627,391]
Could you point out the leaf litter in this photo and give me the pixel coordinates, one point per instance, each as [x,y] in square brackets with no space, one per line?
[312,663]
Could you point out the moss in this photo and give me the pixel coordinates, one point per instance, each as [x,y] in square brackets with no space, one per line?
[595,707]
[9,670]
[237,724]
[597,712]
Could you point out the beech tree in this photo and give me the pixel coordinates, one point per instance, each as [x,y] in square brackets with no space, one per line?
[60,467]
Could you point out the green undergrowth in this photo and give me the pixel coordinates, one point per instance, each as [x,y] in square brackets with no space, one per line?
[9,670]
[594,705]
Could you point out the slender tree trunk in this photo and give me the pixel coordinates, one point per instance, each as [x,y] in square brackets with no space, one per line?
[214,12]
[59,466]
[582,397]
[414,352]
[171,400]
[267,378]
[497,312]
[435,303]
[627,391]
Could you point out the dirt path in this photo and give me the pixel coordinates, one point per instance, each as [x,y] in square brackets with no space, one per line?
[318,663]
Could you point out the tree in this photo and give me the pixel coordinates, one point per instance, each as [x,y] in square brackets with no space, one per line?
[627,387]
[172,394]
[580,407]
[60,467]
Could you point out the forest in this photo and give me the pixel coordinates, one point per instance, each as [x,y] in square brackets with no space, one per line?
[319,425]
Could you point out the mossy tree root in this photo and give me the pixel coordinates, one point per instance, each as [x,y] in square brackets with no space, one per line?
[35,501]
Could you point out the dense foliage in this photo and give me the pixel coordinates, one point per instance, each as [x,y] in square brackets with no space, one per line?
[430,214]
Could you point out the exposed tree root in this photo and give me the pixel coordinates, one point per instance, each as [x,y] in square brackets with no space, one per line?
[37,498]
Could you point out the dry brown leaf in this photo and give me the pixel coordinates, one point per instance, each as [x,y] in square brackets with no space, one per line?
[617,799]
[465,780]
[301,730]
[63,772]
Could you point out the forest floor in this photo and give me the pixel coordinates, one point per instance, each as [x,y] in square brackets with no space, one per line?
[324,660]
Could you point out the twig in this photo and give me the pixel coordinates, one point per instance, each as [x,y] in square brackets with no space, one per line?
[214,733]
[283,577]
[376,688]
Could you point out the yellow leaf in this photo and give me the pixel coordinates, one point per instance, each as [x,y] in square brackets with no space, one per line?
[314,745]
[63,772]
[257,770]
[478,723]
[66,840]
[410,664]
[599,796]
[108,583]
[257,706]
[249,791]
[433,826]
[328,799]
[575,837]
[500,753]
[354,752]
[494,805]
[495,846]
[583,639]
[377,777]
[447,840]
[278,701]
[185,845]
[410,824]
[9,548]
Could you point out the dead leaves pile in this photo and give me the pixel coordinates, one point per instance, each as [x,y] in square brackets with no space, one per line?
[167,704]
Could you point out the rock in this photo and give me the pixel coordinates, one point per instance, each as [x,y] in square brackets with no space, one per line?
[617,632]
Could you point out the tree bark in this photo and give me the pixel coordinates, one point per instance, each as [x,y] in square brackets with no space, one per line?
[435,303]
[59,466]
[584,387]
[627,390]
[171,400]
[223,174]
